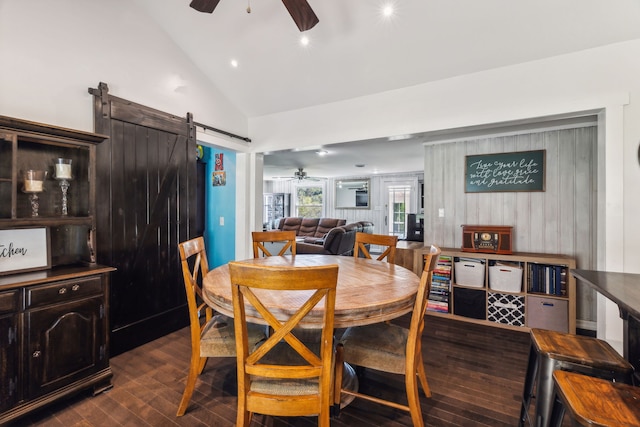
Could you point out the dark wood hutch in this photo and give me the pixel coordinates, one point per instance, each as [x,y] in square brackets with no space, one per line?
[54,320]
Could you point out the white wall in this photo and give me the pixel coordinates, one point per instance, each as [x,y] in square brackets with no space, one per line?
[53,51]
[603,79]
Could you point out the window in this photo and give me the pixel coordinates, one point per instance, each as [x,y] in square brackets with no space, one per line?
[309,201]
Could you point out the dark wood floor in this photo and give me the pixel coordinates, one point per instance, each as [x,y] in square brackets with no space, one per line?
[476,374]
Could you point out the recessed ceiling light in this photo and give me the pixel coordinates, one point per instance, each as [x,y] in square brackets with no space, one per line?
[398,137]
[304,41]
[322,152]
[234,63]
[387,10]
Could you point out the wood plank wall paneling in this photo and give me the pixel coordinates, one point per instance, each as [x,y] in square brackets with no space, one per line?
[146,205]
[562,219]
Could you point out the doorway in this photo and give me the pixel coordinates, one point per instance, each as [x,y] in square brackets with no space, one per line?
[399,200]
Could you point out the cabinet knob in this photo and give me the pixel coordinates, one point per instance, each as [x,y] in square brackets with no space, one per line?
[75,287]
[37,353]
[62,291]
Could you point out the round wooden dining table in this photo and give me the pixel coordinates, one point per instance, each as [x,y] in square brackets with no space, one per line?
[368,291]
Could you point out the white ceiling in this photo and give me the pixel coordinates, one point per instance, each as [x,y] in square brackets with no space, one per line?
[354,51]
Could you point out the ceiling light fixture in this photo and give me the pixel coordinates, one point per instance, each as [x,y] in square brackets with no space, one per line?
[399,137]
[322,152]
[360,165]
[234,63]
[387,10]
[304,41]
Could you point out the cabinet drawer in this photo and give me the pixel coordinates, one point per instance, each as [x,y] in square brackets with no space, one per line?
[63,291]
[9,301]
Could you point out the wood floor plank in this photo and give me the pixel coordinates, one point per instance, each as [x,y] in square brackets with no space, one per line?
[476,374]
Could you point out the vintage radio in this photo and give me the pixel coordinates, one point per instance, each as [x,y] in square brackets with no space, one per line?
[491,239]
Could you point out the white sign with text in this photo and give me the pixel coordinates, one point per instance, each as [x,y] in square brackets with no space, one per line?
[23,249]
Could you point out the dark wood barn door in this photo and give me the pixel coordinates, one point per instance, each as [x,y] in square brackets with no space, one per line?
[146,205]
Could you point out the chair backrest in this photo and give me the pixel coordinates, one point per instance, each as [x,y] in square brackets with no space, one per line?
[193,252]
[261,237]
[252,286]
[420,306]
[363,239]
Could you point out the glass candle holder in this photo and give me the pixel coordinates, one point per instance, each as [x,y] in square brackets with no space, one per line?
[34,184]
[34,181]
[63,169]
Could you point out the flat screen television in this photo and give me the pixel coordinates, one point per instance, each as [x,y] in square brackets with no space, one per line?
[362,198]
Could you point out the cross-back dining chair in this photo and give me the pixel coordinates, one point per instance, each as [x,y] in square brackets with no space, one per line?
[211,335]
[261,237]
[391,348]
[283,376]
[364,239]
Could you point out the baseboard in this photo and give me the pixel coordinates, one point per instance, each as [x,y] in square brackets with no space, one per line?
[586,327]
[141,332]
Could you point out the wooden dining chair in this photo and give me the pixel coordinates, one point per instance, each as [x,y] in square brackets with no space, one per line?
[283,376]
[364,239]
[261,237]
[212,336]
[391,348]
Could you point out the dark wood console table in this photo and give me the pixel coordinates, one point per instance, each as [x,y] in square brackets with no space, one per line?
[624,290]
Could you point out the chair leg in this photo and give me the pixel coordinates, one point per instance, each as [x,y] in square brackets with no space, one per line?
[323,418]
[414,400]
[529,381]
[544,390]
[337,379]
[422,375]
[195,367]
[557,412]
[243,418]
[203,363]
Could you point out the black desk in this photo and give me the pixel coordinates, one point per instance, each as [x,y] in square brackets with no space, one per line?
[624,290]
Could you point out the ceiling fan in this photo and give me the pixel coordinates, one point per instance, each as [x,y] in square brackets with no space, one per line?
[299,175]
[300,11]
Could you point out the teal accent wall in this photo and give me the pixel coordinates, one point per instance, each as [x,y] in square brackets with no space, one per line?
[220,201]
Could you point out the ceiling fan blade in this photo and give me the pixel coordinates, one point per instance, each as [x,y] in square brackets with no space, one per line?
[302,14]
[206,6]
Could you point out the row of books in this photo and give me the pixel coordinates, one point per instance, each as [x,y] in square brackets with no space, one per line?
[547,279]
[440,286]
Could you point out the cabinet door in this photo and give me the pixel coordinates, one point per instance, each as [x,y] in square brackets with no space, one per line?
[65,343]
[8,172]
[9,391]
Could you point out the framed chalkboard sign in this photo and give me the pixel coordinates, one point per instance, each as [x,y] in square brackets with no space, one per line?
[516,171]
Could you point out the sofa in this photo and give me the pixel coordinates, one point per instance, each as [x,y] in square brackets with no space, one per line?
[310,228]
[337,241]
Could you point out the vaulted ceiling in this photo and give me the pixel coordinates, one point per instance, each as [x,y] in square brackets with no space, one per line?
[355,51]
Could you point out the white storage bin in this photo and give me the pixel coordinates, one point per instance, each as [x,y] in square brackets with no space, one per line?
[469,273]
[505,279]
